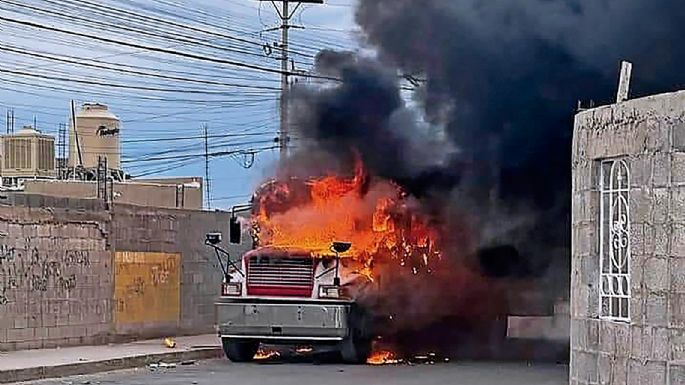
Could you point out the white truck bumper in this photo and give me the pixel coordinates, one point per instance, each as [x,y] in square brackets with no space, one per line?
[282,320]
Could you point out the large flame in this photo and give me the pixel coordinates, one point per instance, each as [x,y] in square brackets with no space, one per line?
[376,216]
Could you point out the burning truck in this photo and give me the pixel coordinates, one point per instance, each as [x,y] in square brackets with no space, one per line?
[342,261]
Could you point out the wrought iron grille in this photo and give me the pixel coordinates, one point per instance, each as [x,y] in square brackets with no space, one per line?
[614,247]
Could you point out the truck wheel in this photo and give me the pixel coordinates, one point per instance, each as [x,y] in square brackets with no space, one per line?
[355,350]
[239,350]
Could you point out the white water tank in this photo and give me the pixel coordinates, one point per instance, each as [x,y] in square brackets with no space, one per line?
[98,135]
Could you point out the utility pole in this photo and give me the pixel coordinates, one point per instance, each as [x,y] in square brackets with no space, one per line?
[62,151]
[208,194]
[73,125]
[285,14]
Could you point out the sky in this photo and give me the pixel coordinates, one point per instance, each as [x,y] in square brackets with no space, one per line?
[53,51]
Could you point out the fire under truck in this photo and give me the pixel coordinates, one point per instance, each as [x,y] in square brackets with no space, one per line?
[285,296]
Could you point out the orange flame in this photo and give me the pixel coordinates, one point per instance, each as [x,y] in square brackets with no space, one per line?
[383,357]
[374,215]
[265,354]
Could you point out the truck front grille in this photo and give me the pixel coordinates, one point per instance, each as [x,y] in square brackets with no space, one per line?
[283,277]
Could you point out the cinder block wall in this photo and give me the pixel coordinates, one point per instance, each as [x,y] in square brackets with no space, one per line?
[58,278]
[182,232]
[55,274]
[649,134]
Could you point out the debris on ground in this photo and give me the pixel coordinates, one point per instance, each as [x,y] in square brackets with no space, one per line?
[169,343]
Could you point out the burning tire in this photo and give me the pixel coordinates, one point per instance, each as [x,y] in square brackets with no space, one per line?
[239,350]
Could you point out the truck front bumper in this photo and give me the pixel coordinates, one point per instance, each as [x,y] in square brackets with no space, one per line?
[284,320]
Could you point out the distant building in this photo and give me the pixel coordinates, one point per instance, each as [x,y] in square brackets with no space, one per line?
[26,155]
[92,169]
[177,193]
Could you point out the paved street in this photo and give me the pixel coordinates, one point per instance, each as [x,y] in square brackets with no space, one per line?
[215,372]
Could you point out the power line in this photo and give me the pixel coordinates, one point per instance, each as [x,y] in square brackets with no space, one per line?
[162,50]
[133,72]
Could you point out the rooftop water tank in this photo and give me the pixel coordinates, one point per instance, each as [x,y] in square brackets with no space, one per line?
[98,132]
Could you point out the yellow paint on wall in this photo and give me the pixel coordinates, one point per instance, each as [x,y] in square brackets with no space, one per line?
[147,287]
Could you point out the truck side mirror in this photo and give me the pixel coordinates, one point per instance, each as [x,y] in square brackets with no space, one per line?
[234,231]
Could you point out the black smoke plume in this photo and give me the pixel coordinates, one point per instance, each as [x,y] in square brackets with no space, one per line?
[501,81]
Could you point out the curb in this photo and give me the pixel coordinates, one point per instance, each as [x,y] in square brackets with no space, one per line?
[90,367]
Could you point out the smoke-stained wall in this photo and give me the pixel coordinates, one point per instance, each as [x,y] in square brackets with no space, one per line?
[646,346]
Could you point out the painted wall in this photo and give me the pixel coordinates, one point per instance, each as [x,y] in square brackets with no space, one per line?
[74,273]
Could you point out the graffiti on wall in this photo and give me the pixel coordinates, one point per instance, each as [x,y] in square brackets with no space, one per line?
[146,287]
[30,269]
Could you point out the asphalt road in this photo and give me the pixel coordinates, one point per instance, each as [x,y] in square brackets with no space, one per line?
[223,372]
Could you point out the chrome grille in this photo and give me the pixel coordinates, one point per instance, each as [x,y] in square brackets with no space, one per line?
[280,272]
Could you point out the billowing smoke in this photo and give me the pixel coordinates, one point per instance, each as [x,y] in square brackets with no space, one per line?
[486,137]
[510,74]
[501,81]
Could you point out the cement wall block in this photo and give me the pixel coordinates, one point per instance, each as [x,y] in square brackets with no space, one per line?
[661,348]
[588,367]
[677,310]
[640,171]
[661,169]
[647,373]
[641,205]
[656,310]
[662,237]
[640,236]
[637,312]
[605,366]
[660,202]
[20,335]
[678,128]
[623,341]
[582,176]
[677,275]
[607,338]
[574,364]
[678,240]
[677,209]
[589,270]
[656,276]
[619,371]
[677,374]
[640,342]
[678,344]
[678,167]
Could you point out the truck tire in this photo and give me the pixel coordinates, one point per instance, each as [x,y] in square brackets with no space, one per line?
[239,350]
[356,348]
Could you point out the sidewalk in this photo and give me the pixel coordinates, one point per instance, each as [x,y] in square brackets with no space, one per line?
[26,365]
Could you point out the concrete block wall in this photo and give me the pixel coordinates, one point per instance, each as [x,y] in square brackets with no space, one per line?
[649,134]
[176,231]
[57,277]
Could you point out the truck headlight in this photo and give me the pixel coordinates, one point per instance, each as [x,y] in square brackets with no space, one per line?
[232,289]
[330,292]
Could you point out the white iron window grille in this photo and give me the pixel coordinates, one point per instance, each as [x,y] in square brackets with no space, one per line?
[614,247]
